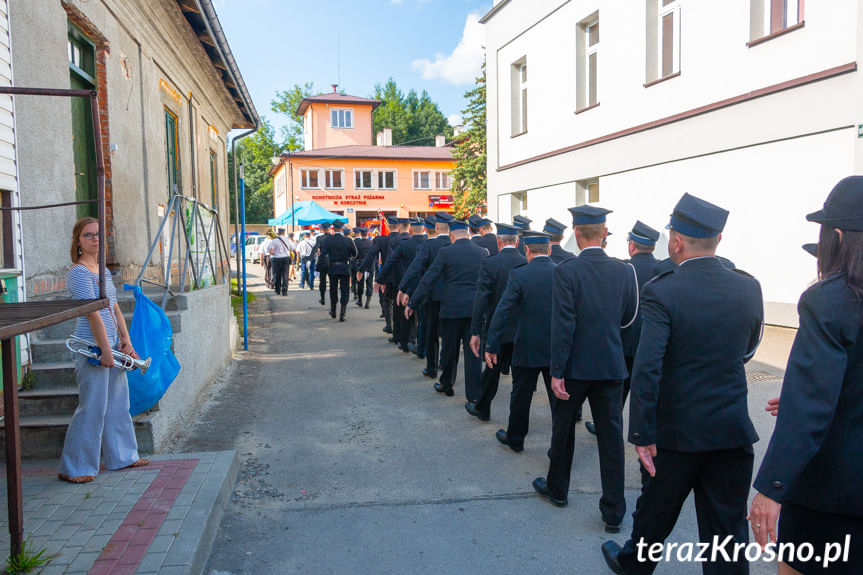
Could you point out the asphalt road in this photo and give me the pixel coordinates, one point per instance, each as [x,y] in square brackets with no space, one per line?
[352,463]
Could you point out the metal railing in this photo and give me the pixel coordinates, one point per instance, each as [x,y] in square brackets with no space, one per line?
[194,249]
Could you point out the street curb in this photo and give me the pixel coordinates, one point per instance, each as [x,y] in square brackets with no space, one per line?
[191,547]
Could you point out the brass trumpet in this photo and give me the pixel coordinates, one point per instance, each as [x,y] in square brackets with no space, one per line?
[91,351]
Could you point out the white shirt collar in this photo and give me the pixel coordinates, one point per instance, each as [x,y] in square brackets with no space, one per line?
[507,248]
[698,258]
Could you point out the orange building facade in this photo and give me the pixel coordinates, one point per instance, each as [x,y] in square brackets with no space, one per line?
[344,172]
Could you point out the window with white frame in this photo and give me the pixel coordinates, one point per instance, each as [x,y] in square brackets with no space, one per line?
[386,180]
[669,37]
[340,118]
[773,16]
[363,179]
[587,59]
[518,76]
[441,181]
[422,180]
[333,179]
[309,179]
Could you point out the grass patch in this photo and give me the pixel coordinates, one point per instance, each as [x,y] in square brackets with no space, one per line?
[27,560]
[237,303]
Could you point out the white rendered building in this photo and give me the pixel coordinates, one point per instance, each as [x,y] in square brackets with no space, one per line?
[755,105]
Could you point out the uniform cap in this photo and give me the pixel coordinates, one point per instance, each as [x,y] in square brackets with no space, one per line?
[338,224]
[530,237]
[392,220]
[458,225]
[430,222]
[417,222]
[586,215]
[697,218]
[554,227]
[519,219]
[506,229]
[361,230]
[643,234]
[474,221]
[811,249]
[325,226]
[843,208]
[443,217]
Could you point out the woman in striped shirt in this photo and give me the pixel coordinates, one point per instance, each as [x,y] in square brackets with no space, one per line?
[101,421]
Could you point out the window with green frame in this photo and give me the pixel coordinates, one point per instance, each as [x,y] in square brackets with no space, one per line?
[214,179]
[82,76]
[172,152]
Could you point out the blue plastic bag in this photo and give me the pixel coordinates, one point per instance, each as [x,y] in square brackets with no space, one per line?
[151,336]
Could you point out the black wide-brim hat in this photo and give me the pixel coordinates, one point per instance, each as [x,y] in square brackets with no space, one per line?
[843,208]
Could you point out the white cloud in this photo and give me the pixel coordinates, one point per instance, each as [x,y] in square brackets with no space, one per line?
[397,2]
[454,120]
[464,63]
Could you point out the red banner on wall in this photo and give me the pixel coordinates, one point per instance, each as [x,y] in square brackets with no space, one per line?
[441,202]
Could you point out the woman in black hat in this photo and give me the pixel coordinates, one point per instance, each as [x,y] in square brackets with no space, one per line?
[811,478]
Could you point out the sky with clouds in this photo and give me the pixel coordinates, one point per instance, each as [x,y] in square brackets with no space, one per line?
[434,45]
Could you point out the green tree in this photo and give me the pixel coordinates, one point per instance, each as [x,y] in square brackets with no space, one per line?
[469,180]
[256,153]
[414,120]
[286,102]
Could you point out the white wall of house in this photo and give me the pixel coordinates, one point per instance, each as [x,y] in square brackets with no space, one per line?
[769,160]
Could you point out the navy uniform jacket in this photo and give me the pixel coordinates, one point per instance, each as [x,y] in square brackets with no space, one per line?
[340,249]
[700,325]
[593,297]
[398,262]
[489,242]
[395,239]
[458,266]
[380,247]
[493,274]
[527,301]
[364,246]
[560,255]
[320,246]
[422,262]
[644,265]
[814,458]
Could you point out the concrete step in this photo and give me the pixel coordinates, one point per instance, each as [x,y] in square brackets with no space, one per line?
[59,401]
[42,436]
[51,350]
[62,330]
[54,374]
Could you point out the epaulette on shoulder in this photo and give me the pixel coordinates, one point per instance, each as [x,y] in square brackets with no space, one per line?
[741,272]
[661,275]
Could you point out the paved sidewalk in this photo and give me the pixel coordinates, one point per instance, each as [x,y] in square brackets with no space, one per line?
[160,518]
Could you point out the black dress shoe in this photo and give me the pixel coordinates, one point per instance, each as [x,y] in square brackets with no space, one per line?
[503,438]
[341,318]
[590,426]
[387,330]
[359,303]
[322,301]
[427,373]
[541,487]
[333,314]
[441,388]
[367,305]
[404,349]
[470,407]
[610,552]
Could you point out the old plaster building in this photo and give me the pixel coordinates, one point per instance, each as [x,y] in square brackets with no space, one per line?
[169,91]
[753,104]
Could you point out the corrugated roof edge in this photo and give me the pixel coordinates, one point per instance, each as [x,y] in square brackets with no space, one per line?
[214,28]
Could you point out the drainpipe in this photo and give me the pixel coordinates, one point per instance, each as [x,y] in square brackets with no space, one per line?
[192,149]
[237,202]
[291,175]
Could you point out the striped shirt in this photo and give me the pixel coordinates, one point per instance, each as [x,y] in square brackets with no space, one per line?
[84,284]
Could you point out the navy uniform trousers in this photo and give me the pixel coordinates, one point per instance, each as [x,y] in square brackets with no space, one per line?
[455,331]
[490,379]
[605,405]
[339,284]
[432,341]
[720,481]
[524,381]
